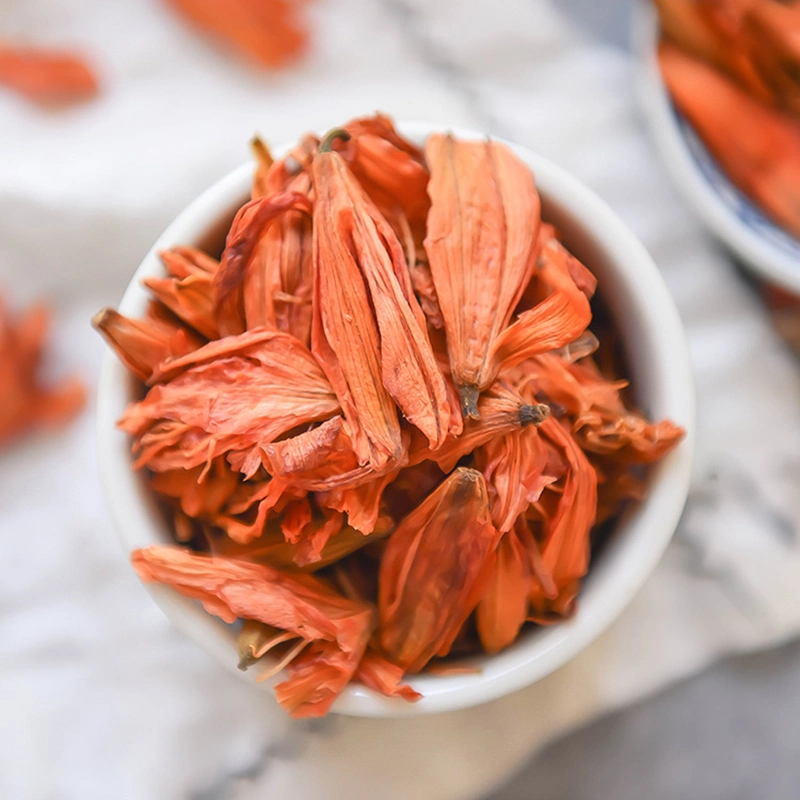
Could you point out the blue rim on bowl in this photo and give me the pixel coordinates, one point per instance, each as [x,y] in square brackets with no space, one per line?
[771,252]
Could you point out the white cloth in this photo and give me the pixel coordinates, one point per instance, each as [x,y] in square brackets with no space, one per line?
[99,696]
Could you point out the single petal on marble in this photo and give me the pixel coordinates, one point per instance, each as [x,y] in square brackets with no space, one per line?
[26,402]
[270,33]
[45,76]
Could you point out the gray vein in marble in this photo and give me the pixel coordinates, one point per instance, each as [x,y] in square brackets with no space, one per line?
[775,521]
[722,483]
[289,748]
[433,55]
[698,564]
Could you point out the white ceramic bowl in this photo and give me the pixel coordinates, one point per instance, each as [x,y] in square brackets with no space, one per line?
[772,253]
[658,358]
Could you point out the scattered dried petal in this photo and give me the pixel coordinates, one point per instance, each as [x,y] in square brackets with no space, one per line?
[45,76]
[270,33]
[26,404]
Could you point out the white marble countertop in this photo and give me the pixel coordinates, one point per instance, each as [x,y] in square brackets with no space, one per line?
[100,697]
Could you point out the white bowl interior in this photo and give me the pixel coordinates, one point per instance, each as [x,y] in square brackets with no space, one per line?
[773,254]
[658,358]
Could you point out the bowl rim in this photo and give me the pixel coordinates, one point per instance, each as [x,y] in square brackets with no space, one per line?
[137,523]
[765,259]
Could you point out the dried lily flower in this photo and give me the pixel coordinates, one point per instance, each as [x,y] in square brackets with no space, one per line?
[601,422]
[481,246]
[760,154]
[250,224]
[237,403]
[369,360]
[501,411]
[278,281]
[391,171]
[278,277]
[434,570]
[565,541]
[481,238]
[337,628]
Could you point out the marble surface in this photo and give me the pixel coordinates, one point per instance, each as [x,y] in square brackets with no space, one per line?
[99,696]
[727,734]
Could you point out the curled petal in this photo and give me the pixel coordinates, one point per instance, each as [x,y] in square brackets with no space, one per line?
[142,345]
[555,322]
[601,422]
[227,405]
[317,677]
[310,556]
[249,225]
[245,345]
[565,549]
[513,466]
[231,589]
[191,299]
[503,608]
[184,262]
[201,493]
[379,674]
[361,503]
